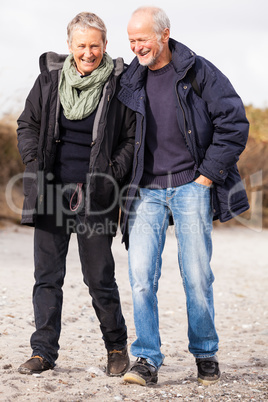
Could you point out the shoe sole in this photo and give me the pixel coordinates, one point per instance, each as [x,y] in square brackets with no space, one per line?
[119,374]
[208,382]
[25,370]
[134,379]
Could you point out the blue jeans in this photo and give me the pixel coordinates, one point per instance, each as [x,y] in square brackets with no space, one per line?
[191,211]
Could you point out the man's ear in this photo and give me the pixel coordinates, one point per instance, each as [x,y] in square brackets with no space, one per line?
[165,35]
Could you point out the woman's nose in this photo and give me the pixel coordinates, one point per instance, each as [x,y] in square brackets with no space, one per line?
[88,52]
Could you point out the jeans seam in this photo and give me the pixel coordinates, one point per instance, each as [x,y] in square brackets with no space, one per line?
[158,255]
[180,260]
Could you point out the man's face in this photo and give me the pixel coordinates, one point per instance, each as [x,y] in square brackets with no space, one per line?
[144,41]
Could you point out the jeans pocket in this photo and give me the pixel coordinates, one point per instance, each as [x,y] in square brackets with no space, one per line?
[203,186]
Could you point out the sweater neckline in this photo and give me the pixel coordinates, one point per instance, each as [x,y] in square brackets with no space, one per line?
[162,70]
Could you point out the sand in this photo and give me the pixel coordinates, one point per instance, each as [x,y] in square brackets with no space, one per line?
[240,265]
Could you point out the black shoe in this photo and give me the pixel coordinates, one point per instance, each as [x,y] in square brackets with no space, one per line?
[208,370]
[141,373]
[118,362]
[35,364]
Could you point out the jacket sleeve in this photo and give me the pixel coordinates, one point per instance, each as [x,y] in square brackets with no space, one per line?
[230,125]
[122,157]
[29,124]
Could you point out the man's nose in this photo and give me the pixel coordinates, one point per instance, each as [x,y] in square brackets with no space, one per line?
[138,47]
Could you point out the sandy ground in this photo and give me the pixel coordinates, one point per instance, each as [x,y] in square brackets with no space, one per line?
[240,265]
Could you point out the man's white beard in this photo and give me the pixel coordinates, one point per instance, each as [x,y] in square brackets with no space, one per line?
[153,59]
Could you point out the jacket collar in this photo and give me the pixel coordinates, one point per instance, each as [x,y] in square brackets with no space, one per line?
[51,61]
[182,57]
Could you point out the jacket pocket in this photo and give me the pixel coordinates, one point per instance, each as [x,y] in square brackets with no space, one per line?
[104,187]
[202,124]
[30,177]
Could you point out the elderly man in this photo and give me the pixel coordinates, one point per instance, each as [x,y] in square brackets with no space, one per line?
[191,129]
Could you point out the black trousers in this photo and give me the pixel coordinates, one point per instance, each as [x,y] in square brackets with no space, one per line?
[50,250]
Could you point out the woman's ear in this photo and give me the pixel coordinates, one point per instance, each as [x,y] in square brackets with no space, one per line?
[104,48]
[69,47]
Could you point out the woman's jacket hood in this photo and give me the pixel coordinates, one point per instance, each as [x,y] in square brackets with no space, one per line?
[51,61]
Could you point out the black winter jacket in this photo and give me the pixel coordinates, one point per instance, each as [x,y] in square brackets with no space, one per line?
[112,147]
[214,125]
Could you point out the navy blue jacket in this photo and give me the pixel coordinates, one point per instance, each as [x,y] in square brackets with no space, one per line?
[214,125]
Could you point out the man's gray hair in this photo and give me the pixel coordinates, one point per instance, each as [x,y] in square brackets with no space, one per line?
[84,21]
[160,18]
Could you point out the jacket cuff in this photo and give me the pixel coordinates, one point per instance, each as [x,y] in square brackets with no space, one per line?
[29,159]
[218,175]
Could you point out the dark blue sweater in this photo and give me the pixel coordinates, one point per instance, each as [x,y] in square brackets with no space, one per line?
[167,161]
[73,152]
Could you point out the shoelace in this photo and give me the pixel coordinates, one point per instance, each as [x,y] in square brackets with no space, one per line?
[208,365]
[115,351]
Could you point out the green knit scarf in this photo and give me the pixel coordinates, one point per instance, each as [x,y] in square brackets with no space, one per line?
[78,107]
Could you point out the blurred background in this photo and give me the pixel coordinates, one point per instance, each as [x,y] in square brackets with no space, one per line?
[232,34]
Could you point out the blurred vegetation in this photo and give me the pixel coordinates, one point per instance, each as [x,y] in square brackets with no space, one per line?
[258,119]
[10,161]
[10,165]
[253,166]
[254,160]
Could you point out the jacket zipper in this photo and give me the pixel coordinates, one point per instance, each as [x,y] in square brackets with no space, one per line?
[136,164]
[184,119]
[196,161]
[193,153]
[41,196]
[109,96]
[100,143]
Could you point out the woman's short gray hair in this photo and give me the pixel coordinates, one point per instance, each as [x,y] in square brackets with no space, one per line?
[160,18]
[86,20]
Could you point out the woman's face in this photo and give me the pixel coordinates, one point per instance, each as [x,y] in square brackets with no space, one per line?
[87,48]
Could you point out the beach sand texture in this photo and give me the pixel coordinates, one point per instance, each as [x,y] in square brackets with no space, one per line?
[240,265]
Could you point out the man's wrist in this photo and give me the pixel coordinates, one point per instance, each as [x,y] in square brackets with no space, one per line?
[204,180]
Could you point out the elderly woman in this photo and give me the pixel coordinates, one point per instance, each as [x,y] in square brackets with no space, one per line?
[77,141]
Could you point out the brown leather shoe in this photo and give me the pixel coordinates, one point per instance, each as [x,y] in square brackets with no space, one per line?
[118,362]
[35,364]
